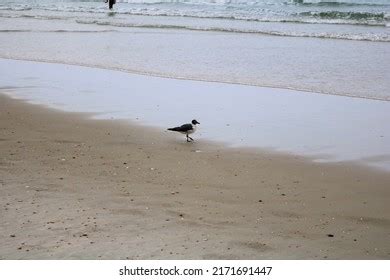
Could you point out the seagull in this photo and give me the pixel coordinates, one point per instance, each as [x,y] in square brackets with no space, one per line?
[186,129]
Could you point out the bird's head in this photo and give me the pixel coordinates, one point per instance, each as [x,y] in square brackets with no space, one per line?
[195,122]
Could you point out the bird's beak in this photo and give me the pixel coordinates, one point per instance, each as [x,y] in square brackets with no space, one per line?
[198,122]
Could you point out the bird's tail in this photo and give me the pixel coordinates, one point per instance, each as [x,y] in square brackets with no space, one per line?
[173,129]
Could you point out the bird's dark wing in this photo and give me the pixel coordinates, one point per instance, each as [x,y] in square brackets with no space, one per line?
[183,128]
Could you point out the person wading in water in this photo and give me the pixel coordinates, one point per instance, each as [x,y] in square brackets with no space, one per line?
[110,3]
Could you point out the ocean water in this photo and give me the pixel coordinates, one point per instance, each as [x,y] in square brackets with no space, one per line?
[332,47]
[360,19]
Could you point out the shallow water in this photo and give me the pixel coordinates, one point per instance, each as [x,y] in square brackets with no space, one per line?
[324,127]
[336,48]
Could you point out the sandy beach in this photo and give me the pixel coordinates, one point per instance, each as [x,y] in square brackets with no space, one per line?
[76,188]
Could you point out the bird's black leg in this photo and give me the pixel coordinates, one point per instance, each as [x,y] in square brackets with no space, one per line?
[187,138]
[191,138]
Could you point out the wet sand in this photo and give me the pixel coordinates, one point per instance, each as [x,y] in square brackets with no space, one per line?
[76,188]
[324,127]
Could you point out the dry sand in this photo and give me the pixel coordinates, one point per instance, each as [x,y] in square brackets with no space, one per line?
[76,188]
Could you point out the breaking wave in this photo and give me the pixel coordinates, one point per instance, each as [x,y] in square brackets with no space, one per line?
[358,37]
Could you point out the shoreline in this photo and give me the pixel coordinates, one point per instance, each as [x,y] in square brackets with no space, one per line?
[254,122]
[207,145]
[79,188]
[157,75]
